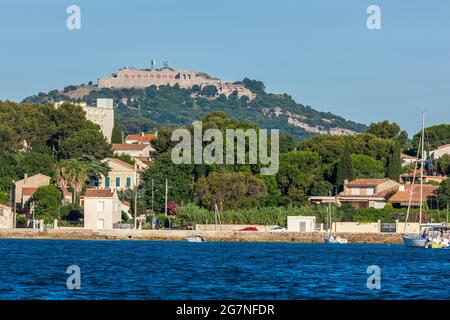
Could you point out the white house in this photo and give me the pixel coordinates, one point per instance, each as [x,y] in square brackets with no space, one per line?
[301,223]
[439,152]
[102,209]
[6,217]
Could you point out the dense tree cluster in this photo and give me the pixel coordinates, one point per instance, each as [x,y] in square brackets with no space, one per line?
[316,166]
[33,138]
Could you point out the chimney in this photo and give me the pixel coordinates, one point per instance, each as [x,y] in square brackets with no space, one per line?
[25,177]
[345,182]
[142,134]
[401,188]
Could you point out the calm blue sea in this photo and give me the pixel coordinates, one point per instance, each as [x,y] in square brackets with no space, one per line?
[36,269]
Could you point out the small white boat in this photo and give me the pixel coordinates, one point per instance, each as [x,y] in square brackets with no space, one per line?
[415,241]
[335,239]
[196,238]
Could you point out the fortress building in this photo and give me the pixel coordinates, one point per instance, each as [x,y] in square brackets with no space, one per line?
[141,78]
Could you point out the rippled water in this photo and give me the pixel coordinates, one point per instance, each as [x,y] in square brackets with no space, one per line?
[36,269]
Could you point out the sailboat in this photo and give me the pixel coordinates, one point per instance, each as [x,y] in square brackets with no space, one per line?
[419,240]
[329,238]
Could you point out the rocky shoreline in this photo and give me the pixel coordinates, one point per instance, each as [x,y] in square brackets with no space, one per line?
[177,235]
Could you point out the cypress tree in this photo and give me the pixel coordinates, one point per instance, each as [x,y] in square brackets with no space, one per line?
[394,163]
[344,168]
[116,136]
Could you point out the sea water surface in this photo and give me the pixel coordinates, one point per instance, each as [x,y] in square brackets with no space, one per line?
[36,269]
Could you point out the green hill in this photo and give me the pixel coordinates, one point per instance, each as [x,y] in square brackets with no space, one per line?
[151,108]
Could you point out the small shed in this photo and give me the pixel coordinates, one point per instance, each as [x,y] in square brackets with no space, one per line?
[301,223]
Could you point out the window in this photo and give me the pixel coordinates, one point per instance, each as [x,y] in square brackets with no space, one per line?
[117,181]
[370,191]
[107,182]
[355,191]
[101,206]
[128,182]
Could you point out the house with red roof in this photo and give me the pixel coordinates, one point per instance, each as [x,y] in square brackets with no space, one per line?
[140,138]
[362,193]
[121,176]
[102,209]
[408,192]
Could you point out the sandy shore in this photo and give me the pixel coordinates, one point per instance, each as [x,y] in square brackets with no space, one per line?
[82,234]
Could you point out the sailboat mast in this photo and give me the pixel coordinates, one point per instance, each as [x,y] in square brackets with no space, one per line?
[422,155]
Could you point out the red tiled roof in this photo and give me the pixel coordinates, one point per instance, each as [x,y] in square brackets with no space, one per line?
[406,156]
[366,182]
[403,196]
[98,193]
[141,138]
[387,193]
[122,163]
[28,191]
[127,146]
[444,146]
[126,203]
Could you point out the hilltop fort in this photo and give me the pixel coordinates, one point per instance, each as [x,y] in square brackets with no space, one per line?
[142,78]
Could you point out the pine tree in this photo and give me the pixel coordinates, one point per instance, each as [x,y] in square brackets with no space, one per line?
[344,168]
[116,136]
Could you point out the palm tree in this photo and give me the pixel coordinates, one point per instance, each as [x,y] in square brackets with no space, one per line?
[95,168]
[71,173]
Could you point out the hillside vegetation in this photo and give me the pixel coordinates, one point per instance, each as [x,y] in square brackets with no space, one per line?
[154,107]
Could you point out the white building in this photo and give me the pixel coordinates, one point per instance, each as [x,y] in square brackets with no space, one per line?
[102,209]
[6,217]
[133,150]
[102,114]
[439,152]
[301,223]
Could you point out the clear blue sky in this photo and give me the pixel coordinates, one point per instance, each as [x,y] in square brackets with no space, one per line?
[320,52]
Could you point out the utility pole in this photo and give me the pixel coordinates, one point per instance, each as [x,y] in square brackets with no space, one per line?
[167,189]
[153,196]
[13,201]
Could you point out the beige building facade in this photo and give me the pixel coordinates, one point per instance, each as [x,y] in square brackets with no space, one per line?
[102,209]
[24,189]
[122,175]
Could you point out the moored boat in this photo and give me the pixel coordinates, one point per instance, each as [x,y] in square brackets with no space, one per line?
[196,238]
[335,239]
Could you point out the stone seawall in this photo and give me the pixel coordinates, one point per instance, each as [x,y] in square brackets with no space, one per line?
[219,236]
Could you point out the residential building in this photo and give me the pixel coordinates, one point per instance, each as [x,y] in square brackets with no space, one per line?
[439,152]
[6,217]
[121,176]
[414,176]
[368,193]
[362,193]
[102,114]
[140,138]
[24,189]
[102,209]
[407,159]
[402,196]
[133,150]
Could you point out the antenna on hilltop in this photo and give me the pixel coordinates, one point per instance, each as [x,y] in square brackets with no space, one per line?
[152,64]
[166,64]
